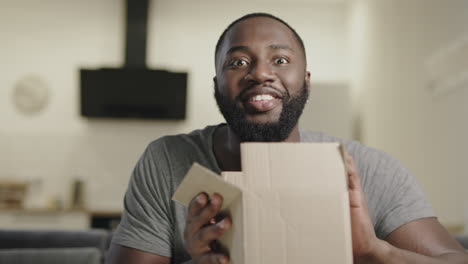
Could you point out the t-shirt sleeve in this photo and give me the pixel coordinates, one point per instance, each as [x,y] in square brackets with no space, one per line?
[147,221]
[393,195]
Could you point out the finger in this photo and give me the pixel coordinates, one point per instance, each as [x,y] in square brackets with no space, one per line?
[197,203]
[352,165]
[210,233]
[349,160]
[195,249]
[354,180]
[349,164]
[218,248]
[208,212]
[213,259]
[205,240]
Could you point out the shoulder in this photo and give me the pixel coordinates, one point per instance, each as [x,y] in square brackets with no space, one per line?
[198,138]
[377,169]
[393,195]
[364,156]
[173,155]
[182,145]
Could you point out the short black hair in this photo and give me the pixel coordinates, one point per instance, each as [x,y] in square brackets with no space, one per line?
[251,15]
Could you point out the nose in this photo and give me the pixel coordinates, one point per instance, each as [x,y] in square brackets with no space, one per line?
[260,72]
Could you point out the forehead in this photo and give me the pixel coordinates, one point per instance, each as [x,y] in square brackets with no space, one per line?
[263,31]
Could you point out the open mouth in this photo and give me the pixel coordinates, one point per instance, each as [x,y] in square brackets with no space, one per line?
[261,97]
[258,103]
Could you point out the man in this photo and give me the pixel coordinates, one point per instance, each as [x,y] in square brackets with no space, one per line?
[261,87]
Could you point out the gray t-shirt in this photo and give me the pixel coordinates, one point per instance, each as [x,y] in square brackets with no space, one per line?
[152,222]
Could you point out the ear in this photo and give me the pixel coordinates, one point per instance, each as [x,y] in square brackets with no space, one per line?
[215,82]
[307,81]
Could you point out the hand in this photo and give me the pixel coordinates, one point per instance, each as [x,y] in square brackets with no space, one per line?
[365,242]
[204,226]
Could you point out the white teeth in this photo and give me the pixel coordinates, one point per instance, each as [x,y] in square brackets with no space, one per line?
[261,97]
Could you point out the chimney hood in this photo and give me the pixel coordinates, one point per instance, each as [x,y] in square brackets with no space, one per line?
[134,91]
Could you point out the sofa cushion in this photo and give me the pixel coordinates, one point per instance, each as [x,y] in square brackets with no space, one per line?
[10,239]
[81,255]
[463,239]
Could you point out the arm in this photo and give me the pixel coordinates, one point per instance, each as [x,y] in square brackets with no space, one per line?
[146,231]
[200,234]
[124,255]
[420,241]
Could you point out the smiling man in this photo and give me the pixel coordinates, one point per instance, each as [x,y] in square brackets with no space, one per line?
[261,87]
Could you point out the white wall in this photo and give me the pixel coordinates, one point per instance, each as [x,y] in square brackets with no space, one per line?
[54,39]
[391,43]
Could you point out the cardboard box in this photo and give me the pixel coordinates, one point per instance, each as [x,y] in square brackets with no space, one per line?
[289,204]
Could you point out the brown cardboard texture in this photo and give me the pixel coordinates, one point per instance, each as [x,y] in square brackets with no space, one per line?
[289,204]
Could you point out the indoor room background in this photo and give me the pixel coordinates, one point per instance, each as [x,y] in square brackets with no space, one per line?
[390,73]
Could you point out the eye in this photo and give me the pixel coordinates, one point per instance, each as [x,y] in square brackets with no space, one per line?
[238,63]
[281,61]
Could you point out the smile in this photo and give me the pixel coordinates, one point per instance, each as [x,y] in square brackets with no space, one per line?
[260,103]
[261,97]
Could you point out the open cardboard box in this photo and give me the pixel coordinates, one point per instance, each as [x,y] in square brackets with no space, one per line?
[289,204]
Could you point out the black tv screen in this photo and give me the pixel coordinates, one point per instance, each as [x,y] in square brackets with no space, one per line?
[133,93]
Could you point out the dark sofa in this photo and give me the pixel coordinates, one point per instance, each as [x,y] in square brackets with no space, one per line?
[53,247]
[463,239]
[65,247]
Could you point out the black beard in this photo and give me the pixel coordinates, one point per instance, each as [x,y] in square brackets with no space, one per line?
[248,131]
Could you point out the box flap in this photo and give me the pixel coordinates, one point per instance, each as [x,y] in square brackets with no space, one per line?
[200,179]
[309,167]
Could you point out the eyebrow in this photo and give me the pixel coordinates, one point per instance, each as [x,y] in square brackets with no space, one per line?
[273,46]
[280,46]
[237,48]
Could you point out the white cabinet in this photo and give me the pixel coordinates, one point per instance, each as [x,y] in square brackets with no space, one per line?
[44,219]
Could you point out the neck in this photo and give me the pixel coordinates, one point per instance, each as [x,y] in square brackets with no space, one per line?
[227,147]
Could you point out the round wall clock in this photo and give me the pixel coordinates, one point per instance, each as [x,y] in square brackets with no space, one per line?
[30,94]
